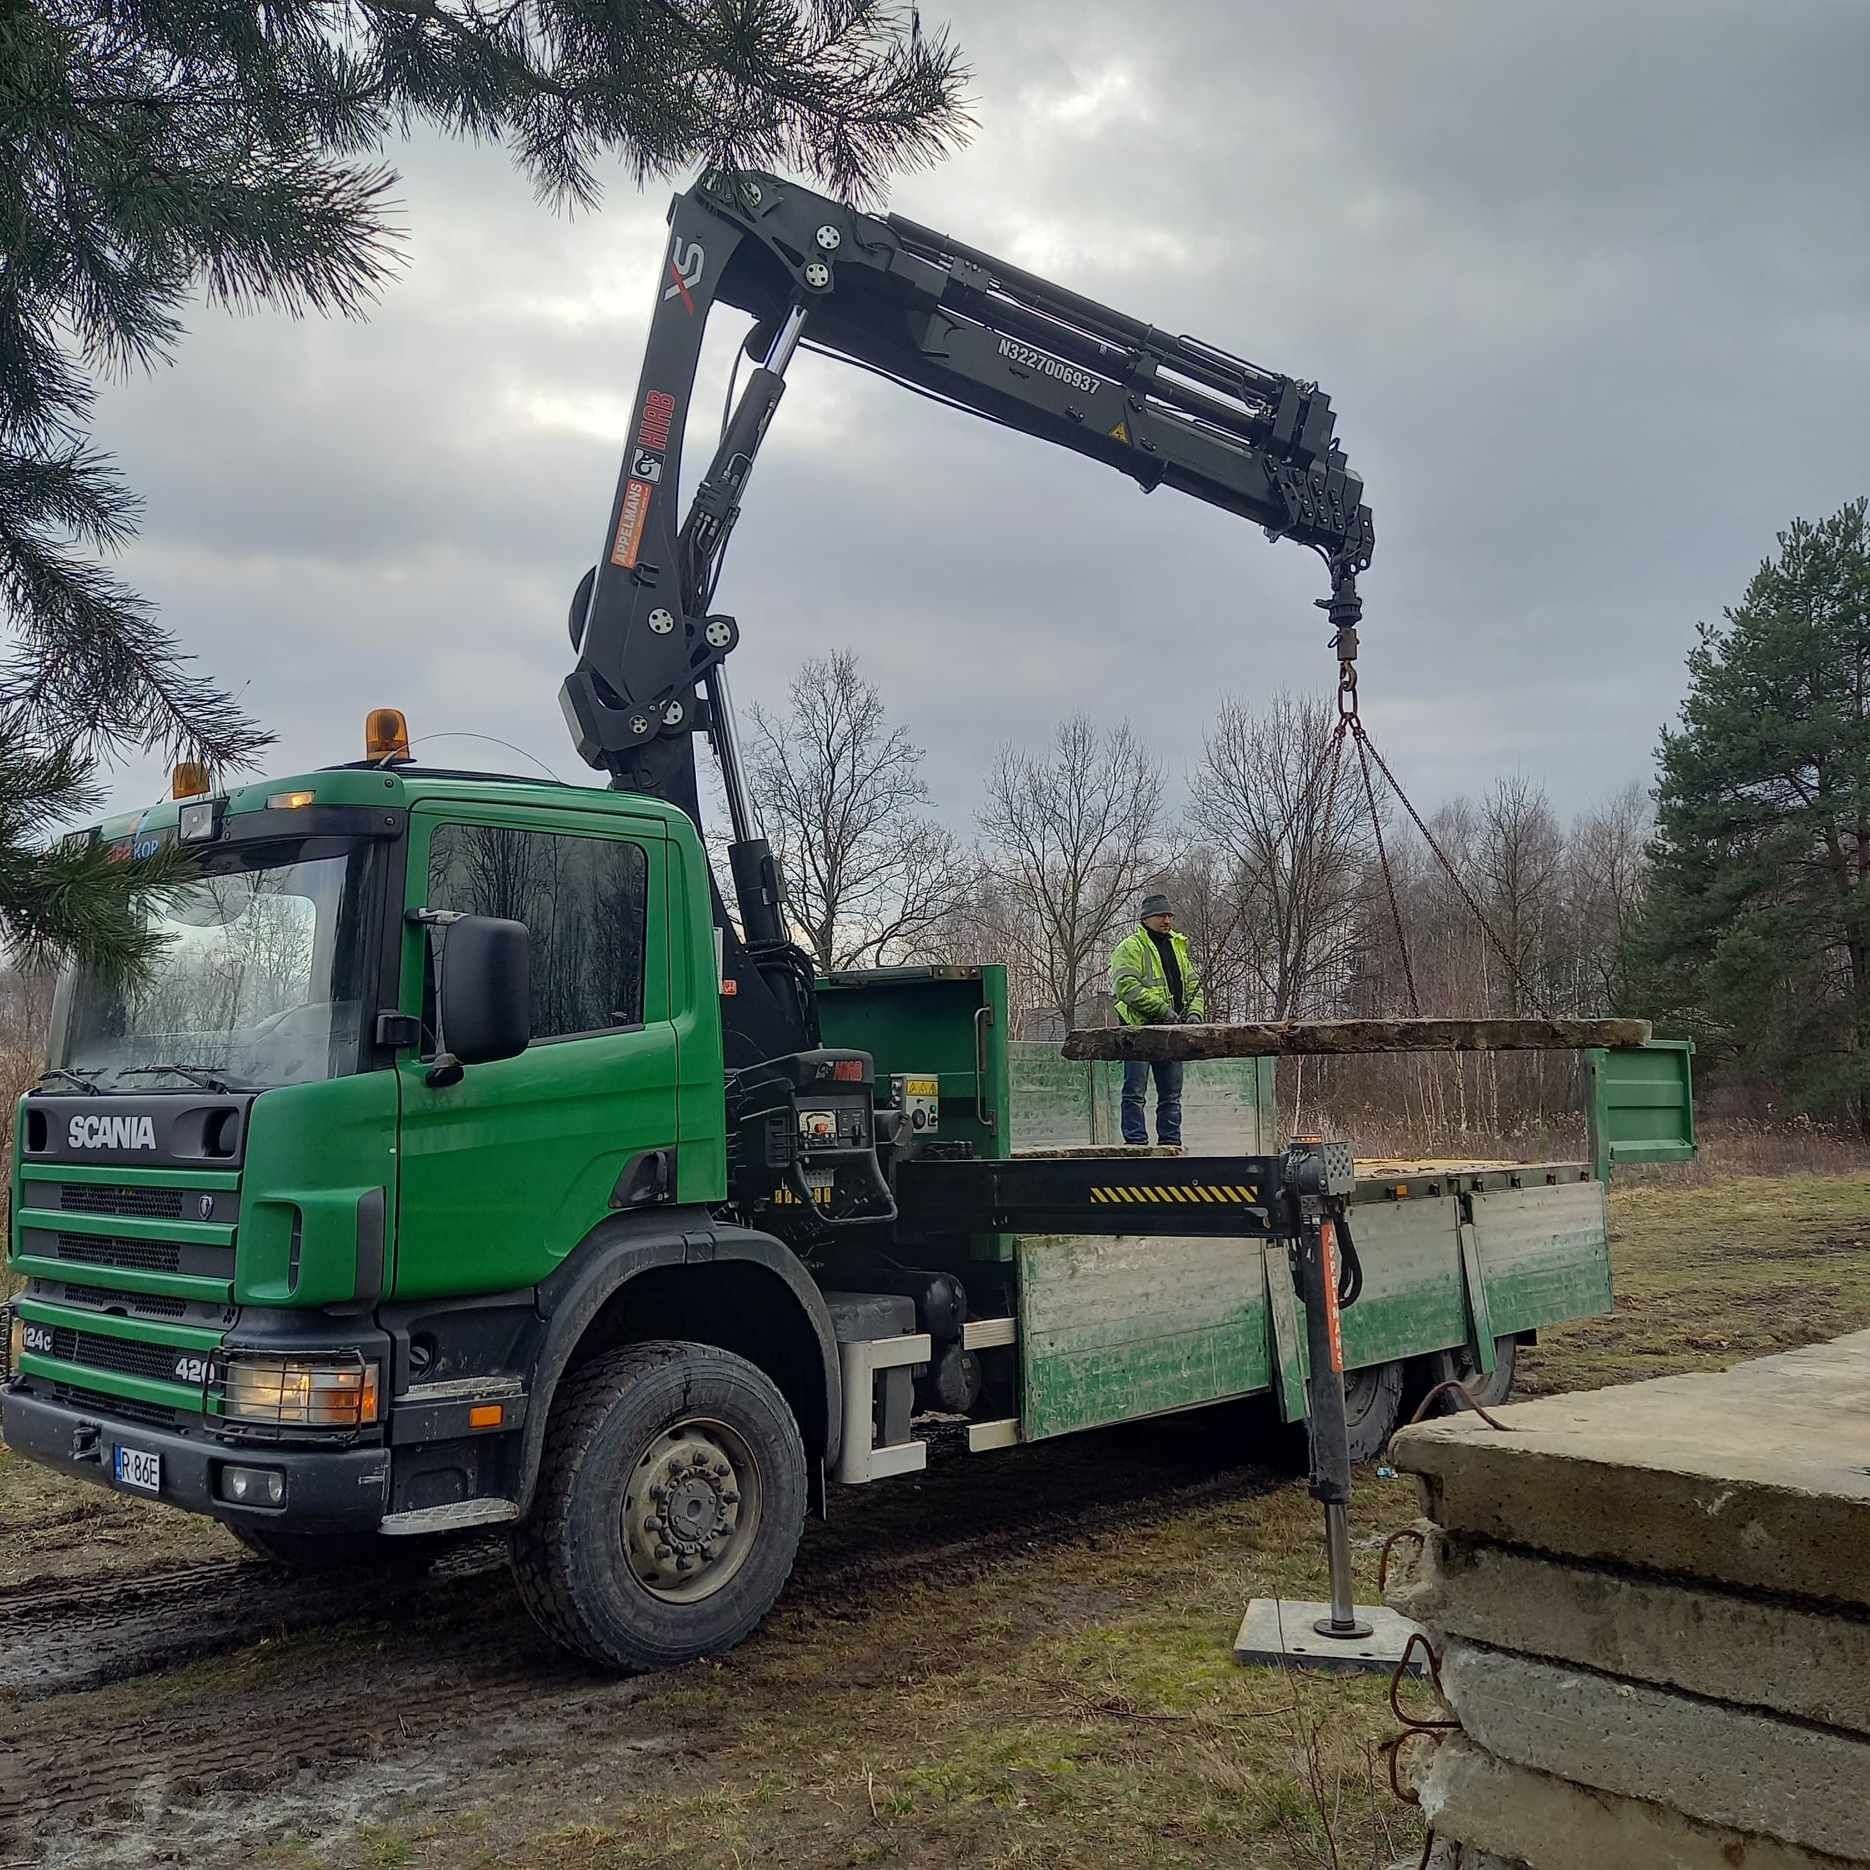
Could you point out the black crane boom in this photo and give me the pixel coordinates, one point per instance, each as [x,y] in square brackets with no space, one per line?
[949,320]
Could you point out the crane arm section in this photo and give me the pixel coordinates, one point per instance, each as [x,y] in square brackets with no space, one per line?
[945,318]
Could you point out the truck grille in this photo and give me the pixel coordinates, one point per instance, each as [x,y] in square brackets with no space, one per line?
[112,1198]
[143,1256]
[119,1354]
[138,1304]
[151,1415]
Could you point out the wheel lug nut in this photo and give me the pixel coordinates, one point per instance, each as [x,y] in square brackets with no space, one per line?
[649,1527]
[700,1459]
[657,1491]
[730,1498]
[721,1470]
[664,1552]
[683,1562]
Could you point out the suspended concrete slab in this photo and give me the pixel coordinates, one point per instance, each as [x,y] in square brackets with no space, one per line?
[1325,1037]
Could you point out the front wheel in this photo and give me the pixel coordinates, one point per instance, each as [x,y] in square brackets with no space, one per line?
[670,1503]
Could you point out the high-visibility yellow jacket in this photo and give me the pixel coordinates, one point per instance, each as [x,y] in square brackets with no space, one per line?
[1140,985]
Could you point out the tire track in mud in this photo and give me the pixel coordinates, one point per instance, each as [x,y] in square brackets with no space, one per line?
[450,1653]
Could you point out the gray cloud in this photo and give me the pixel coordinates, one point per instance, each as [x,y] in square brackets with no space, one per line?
[1584,281]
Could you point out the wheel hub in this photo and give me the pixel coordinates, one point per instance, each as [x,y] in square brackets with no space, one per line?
[691,1510]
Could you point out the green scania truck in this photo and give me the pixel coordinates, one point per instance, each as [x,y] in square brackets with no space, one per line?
[464,1163]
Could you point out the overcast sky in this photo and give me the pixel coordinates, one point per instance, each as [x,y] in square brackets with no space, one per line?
[1588,284]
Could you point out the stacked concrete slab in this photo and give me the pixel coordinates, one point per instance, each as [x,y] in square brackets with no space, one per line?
[1652,1611]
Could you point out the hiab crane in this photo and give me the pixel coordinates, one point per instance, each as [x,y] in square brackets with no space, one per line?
[467,1165]
[935,315]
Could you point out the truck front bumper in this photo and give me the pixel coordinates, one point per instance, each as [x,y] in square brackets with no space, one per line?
[327,1489]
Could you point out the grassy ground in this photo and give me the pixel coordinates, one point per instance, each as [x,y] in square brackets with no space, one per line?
[1076,1706]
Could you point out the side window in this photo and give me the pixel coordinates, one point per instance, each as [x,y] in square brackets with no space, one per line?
[582,899]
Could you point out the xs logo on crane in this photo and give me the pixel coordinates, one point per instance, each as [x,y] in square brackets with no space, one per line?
[685,264]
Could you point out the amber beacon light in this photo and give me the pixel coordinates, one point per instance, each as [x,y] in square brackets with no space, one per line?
[386,735]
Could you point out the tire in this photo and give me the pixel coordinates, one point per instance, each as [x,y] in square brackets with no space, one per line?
[1461,1367]
[1373,1400]
[657,1454]
[362,1552]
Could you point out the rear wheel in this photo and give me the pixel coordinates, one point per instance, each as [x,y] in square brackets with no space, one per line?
[670,1502]
[1463,1367]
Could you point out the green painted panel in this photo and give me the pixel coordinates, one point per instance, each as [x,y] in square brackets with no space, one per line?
[1545,1253]
[126,1227]
[117,1279]
[1641,1105]
[314,1151]
[1131,1326]
[1412,1298]
[504,1173]
[112,1383]
[1287,1346]
[140,1177]
[1058,1103]
[108,1325]
[947,1020]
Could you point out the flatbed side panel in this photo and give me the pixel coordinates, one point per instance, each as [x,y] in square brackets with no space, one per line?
[1545,1255]
[1132,1325]
[1412,1298]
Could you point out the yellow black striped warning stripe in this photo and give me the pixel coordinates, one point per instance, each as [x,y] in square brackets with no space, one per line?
[1158,1194]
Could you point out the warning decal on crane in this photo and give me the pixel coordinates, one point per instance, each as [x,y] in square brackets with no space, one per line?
[1121,433]
[630,523]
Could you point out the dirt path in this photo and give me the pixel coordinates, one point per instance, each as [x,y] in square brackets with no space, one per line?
[120,1726]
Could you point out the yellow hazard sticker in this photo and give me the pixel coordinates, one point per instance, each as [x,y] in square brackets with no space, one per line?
[1164,1192]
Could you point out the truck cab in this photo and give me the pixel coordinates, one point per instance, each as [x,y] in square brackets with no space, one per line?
[421,1109]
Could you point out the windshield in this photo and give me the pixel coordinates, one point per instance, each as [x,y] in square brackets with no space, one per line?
[260,981]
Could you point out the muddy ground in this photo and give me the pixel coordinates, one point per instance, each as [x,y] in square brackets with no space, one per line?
[1016,1660]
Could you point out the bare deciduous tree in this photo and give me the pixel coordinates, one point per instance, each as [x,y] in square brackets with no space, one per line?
[1518,859]
[1608,866]
[868,874]
[1262,796]
[1069,838]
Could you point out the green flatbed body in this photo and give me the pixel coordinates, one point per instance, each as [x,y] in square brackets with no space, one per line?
[1134,1325]
[1111,1328]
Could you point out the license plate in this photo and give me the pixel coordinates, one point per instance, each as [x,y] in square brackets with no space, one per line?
[138,1469]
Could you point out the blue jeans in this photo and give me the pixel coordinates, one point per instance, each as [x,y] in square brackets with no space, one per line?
[1168,1073]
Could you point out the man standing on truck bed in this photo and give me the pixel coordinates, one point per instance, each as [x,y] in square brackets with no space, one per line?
[1154,983]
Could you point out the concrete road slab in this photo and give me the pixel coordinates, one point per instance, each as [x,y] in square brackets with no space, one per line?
[1756,1477]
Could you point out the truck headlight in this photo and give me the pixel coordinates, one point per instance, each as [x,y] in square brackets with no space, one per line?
[300,1392]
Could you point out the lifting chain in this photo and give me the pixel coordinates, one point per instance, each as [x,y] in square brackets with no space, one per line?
[1345,609]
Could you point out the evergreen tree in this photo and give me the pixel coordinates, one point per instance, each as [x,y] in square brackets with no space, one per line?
[156,148]
[1756,932]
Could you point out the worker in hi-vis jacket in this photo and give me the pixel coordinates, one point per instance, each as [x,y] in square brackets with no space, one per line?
[1154,983]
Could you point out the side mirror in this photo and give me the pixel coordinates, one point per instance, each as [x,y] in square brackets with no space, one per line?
[483,992]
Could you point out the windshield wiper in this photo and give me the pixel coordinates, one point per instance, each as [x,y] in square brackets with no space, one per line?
[198,1074]
[81,1079]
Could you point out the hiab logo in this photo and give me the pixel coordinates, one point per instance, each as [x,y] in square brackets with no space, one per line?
[112,1133]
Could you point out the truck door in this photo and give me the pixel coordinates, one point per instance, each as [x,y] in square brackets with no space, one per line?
[505,1172]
